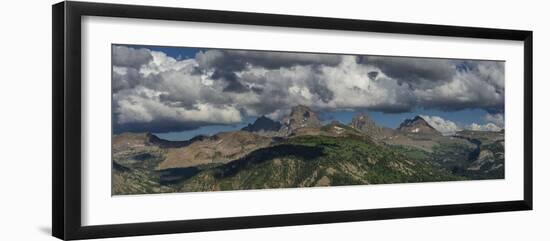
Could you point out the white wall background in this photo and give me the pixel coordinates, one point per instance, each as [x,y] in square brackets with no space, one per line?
[25,122]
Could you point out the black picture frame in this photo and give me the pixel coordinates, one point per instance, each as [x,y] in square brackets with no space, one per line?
[66,47]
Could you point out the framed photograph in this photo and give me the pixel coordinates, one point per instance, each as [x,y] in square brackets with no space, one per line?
[171,120]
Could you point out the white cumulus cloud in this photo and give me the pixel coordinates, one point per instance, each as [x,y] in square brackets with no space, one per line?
[497,119]
[485,127]
[155,92]
[446,127]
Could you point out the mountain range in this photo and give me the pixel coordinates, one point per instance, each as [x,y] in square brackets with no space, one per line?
[300,151]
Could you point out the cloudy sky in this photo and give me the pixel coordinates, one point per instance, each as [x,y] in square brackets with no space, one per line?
[194,90]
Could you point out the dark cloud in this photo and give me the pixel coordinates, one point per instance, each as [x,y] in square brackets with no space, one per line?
[417,72]
[232,83]
[321,90]
[373,75]
[130,57]
[393,108]
[157,126]
[237,60]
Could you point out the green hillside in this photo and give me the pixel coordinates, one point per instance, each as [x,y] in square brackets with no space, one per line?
[308,161]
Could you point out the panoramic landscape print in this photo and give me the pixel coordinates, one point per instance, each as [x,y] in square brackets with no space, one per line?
[199,119]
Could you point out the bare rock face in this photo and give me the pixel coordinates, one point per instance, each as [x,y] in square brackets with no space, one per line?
[263,124]
[300,117]
[220,148]
[138,141]
[129,141]
[417,125]
[364,124]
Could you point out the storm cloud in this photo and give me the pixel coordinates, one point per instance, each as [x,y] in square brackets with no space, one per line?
[235,60]
[417,72]
[130,57]
[155,92]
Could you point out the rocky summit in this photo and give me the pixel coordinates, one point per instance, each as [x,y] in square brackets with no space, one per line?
[417,125]
[363,123]
[263,124]
[300,117]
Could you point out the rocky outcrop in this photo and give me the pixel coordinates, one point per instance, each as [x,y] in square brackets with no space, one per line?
[220,148]
[364,124]
[263,124]
[300,117]
[417,125]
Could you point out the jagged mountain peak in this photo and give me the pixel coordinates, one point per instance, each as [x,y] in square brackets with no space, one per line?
[365,124]
[417,125]
[263,123]
[300,116]
[360,120]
